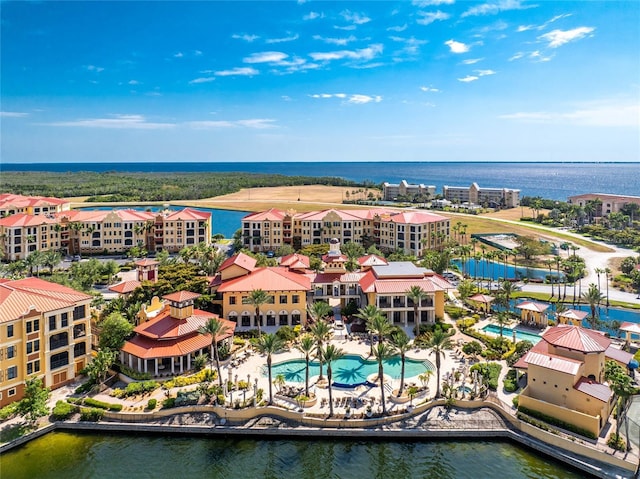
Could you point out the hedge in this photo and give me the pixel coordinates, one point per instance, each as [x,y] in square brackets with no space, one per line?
[556,422]
[490,373]
[91,414]
[63,410]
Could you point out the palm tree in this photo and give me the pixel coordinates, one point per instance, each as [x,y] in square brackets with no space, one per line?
[507,288]
[382,352]
[402,344]
[257,298]
[598,272]
[331,353]
[269,344]
[416,294]
[593,297]
[216,329]
[51,259]
[549,262]
[607,272]
[306,346]
[438,343]
[502,318]
[319,310]
[321,332]
[367,314]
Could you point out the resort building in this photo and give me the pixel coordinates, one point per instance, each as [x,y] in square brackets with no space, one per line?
[167,337]
[565,377]
[533,314]
[287,292]
[393,191]
[11,204]
[45,331]
[491,197]
[409,232]
[604,203]
[95,232]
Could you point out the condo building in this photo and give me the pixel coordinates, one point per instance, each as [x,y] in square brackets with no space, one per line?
[474,194]
[393,191]
[604,204]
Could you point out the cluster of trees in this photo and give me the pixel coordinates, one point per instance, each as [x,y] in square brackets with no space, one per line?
[146,186]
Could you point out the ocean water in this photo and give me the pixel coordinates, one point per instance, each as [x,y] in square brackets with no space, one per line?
[554,181]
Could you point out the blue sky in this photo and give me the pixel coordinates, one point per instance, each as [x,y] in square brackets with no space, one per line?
[438,80]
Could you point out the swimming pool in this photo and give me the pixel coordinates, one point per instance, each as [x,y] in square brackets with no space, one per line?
[508,333]
[350,370]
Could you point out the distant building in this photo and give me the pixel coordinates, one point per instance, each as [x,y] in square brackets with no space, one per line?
[45,331]
[492,197]
[605,204]
[11,204]
[392,191]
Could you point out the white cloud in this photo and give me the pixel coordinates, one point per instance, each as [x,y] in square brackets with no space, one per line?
[240,71]
[178,55]
[202,80]
[290,38]
[428,3]
[13,114]
[345,28]
[132,122]
[539,57]
[484,73]
[255,123]
[468,79]
[516,56]
[430,17]
[245,37]
[429,89]
[362,54]
[95,69]
[335,41]
[457,47]
[265,57]
[524,28]
[472,61]
[133,82]
[614,113]
[362,99]
[400,28]
[313,16]
[197,53]
[354,17]
[493,8]
[557,38]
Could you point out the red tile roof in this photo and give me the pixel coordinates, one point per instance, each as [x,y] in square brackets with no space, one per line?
[619,355]
[574,314]
[577,338]
[594,389]
[553,362]
[188,214]
[269,215]
[146,348]
[295,261]
[482,298]
[416,218]
[125,287]
[371,260]
[147,262]
[267,279]
[181,296]
[533,306]
[23,220]
[630,327]
[18,297]
[243,260]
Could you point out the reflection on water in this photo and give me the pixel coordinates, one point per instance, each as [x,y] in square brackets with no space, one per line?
[71,455]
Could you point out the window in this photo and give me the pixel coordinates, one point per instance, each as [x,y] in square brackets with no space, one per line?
[283,299]
[64,318]
[79,312]
[232,300]
[33,367]
[11,392]
[10,331]
[33,326]
[12,372]
[52,323]
[295,299]
[58,341]
[79,349]
[33,346]
[11,352]
[59,360]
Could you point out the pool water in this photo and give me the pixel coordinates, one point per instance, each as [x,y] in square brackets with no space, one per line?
[350,370]
[508,333]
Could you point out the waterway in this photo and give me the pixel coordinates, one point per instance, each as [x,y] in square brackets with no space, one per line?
[77,455]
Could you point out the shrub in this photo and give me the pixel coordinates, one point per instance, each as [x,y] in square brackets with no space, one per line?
[95,403]
[91,414]
[200,361]
[616,442]
[490,373]
[187,398]
[132,373]
[516,401]
[74,400]
[238,341]
[286,333]
[556,422]
[511,381]
[115,407]
[151,404]
[63,410]
[84,387]
[474,348]
[9,410]
[169,403]
[454,312]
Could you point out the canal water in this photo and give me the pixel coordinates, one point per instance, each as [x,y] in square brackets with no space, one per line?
[77,455]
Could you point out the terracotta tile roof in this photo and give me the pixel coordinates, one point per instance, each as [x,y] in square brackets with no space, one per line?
[539,347]
[416,218]
[267,279]
[630,327]
[23,220]
[328,278]
[533,306]
[147,262]
[619,355]
[20,201]
[146,348]
[295,261]
[18,297]
[482,298]
[574,314]
[594,389]
[401,287]
[272,214]
[181,296]
[577,338]
[188,214]
[371,260]
[125,287]
[553,362]
[243,260]
[164,326]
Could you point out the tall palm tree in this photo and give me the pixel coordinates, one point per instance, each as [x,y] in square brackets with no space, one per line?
[319,310]
[321,333]
[549,262]
[306,345]
[215,328]
[507,288]
[438,343]
[607,272]
[331,353]
[382,352]
[402,344]
[269,344]
[51,259]
[593,297]
[416,294]
[257,298]
[502,318]
[367,314]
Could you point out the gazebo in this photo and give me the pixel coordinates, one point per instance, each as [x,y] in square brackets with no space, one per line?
[574,317]
[481,302]
[533,313]
[630,328]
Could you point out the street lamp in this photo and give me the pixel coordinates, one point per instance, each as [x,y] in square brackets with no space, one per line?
[255,392]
